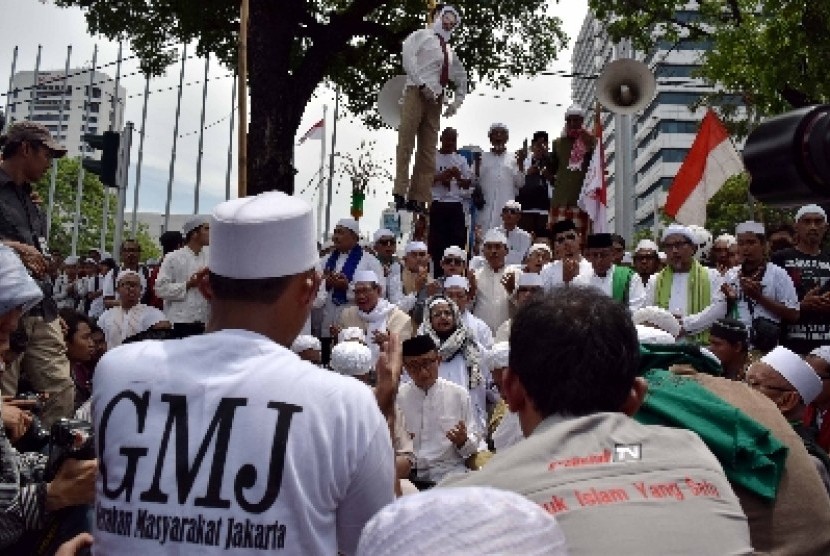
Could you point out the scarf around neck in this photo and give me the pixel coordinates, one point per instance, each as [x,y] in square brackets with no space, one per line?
[459,342]
[578,150]
[699,294]
[352,260]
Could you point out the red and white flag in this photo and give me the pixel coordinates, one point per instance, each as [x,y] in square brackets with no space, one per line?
[593,198]
[315,132]
[708,164]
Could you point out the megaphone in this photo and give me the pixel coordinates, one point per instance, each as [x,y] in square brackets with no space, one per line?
[389,101]
[626,86]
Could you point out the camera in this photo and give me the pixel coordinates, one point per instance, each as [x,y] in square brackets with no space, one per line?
[788,157]
[36,436]
[70,438]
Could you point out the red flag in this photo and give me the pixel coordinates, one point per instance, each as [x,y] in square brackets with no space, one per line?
[593,198]
[315,132]
[708,164]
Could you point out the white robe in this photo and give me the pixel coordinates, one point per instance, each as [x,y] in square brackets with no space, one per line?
[492,300]
[500,180]
[636,289]
[698,322]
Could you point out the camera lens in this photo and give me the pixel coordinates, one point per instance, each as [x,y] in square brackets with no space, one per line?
[788,157]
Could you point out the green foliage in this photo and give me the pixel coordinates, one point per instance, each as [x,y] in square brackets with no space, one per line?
[771,52]
[92,211]
[731,205]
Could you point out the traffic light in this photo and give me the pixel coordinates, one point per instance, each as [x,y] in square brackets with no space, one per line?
[107,167]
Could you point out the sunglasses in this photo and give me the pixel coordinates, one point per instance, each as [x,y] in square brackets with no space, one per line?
[452,260]
[511,211]
[388,241]
[565,237]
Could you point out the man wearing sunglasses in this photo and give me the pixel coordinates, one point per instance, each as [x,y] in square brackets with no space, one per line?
[518,240]
[571,262]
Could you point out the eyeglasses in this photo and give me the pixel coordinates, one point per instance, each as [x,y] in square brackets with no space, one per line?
[452,260]
[442,313]
[757,386]
[668,246]
[510,211]
[528,289]
[419,365]
[565,237]
[387,241]
[129,285]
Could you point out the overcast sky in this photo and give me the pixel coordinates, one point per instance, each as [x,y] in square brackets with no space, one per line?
[31,23]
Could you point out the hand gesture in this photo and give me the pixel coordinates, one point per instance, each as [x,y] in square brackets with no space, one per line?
[751,288]
[508,280]
[421,278]
[388,371]
[570,269]
[196,278]
[816,302]
[729,291]
[16,421]
[458,434]
[433,288]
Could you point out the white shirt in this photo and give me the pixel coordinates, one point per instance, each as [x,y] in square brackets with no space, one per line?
[636,289]
[552,273]
[698,322]
[182,304]
[331,312]
[96,307]
[518,242]
[492,303]
[776,284]
[500,180]
[429,416]
[422,61]
[118,324]
[66,293]
[508,432]
[481,332]
[108,283]
[454,193]
[321,433]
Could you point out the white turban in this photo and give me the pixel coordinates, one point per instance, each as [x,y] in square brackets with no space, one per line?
[657,317]
[646,245]
[575,110]
[796,371]
[350,224]
[304,342]
[457,282]
[17,289]
[728,239]
[351,359]
[650,335]
[679,229]
[382,233]
[498,356]
[810,209]
[350,334]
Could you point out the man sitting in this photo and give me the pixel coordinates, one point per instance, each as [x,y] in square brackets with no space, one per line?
[131,317]
[610,481]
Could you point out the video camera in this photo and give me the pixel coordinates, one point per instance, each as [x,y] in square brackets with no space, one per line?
[70,438]
[788,157]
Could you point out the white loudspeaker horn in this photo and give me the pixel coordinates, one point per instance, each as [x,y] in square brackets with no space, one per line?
[626,86]
[389,101]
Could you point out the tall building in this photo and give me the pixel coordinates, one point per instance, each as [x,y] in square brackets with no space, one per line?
[664,131]
[41,102]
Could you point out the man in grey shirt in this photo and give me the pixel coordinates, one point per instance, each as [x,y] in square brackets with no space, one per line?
[614,485]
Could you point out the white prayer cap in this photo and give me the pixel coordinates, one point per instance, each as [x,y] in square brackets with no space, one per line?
[530,280]
[351,333]
[749,227]
[382,233]
[540,247]
[796,371]
[124,273]
[662,256]
[810,209]
[494,236]
[413,246]
[455,251]
[627,258]
[105,255]
[365,276]
[195,222]
[822,352]
[679,229]
[657,317]
[457,282]
[513,204]
[575,110]
[304,342]
[462,520]
[651,335]
[350,224]
[71,259]
[351,359]
[498,356]
[728,239]
[90,260]
[497,125]
[266,236]
[152,262]
[646,245]
[17,289]
[91,249]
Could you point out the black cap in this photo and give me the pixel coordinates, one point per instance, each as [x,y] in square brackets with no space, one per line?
[729,329]
[419,345]
[599,241]
[540,135]
[562,226]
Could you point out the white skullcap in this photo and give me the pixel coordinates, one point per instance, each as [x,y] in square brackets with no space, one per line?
[530,280]
[646,245]
[627,258]
[124,273]
[91,249]
[810,209]
[575,110]
[17,289]
[455,251]
[462,520]
[823,353]
[498,356]
[382,233]
[195,222]
[105,255]
[413,246]
[651,335]
[365,276]
[662,256]
[796,371]
[90,260]
[304,342]
[350,224]
[351,359]
[497,125]
[266,236]
[152,262]
[71,259]
[657,317]
[351,333]
[679,229]
[729,239]
[512,204]
[540,247]
[457,282]
[749,227]
[494,236]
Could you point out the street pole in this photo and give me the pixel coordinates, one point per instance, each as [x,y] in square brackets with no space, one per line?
[79,192]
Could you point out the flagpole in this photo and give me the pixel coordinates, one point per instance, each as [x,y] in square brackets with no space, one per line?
[175,142]
[230,142]
[53,179]
[140,152]
[79,192]
[331,162]
[33,92]
[242,91]
[201,139]
[9,92]
[322,179]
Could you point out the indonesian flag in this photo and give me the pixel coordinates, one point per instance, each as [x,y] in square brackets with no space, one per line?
[315,132]
[709,163]
[593,198]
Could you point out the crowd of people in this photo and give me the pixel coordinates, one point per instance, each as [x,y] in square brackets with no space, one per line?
[679,386]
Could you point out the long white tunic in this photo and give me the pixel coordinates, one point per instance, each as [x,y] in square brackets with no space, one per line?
[698,322]
[518,242]
[500,180]
[118,324]
[481,332]
[636,289]
[492,300]
[552,273]
[180,303]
